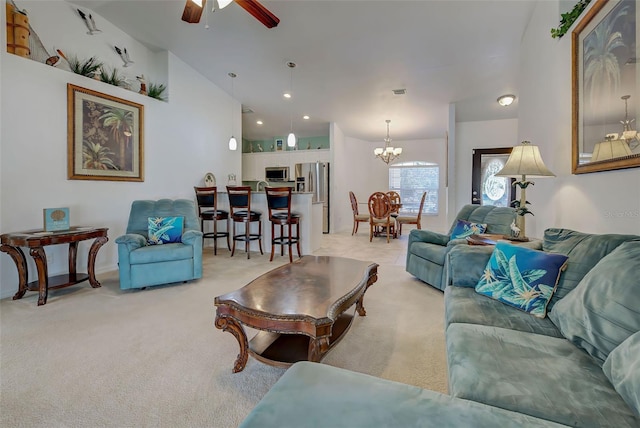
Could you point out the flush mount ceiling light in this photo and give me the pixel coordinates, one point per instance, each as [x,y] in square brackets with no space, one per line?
[506,100]
[305,117]
[259,122]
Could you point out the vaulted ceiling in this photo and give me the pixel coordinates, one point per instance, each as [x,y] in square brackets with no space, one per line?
[350,56]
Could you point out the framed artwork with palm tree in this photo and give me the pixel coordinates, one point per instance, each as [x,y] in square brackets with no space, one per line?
[104,137]
[605,82]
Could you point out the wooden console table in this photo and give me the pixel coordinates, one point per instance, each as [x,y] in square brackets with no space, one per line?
[36,240]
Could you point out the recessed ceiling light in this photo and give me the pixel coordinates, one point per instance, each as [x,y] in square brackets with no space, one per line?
[286,95]
[259,122]
[506,100]
[305,117]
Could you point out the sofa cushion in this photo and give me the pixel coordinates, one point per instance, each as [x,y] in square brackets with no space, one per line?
[622,368]
[541,376]
[464,305]
[521,277]
[604,309]
[161,253]
[464,228]
[497,219]
[165,230]
[318,395]
[584,251]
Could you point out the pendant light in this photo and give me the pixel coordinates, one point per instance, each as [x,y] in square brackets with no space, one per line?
[233,143]
[291,138]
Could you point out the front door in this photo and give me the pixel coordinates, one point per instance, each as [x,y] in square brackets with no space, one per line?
[486,188]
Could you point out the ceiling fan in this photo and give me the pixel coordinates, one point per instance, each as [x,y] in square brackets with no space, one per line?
[194,8]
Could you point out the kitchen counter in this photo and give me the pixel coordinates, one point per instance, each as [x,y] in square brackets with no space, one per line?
[301,203]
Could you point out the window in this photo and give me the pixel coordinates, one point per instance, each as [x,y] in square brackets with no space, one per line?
[411,179]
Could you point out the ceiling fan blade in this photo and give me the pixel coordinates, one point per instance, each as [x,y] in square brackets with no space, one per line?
[192,11]
[259,12]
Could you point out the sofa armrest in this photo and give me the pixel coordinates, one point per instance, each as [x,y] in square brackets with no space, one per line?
[132,241]
[190,236]
[466,263]
[419,235]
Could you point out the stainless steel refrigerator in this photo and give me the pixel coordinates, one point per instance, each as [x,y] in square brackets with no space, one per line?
[314,178]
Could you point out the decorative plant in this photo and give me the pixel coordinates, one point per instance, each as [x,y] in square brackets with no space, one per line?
[156,91]
[567,19]
[87,67]
[96,156]
[113,78]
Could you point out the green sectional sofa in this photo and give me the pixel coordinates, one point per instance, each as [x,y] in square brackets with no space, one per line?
[427,250]
[579,366]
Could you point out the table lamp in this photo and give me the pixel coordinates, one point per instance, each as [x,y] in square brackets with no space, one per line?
[524,162]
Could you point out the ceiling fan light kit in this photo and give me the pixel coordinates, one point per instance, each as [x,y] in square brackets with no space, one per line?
[194,8]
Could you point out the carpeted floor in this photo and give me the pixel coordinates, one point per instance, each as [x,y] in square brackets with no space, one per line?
[153,358]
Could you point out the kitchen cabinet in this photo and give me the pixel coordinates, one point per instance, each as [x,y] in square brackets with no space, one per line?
[253,164]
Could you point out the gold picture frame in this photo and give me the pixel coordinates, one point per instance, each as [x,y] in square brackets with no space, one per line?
[605,95]
[105,137]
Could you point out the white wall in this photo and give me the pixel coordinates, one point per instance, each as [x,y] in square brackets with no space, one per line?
[479,135]
[184,139]
[603,202]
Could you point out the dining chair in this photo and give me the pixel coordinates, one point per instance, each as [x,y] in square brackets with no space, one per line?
[379,214]
[409,218]
[357,217]
[394,198]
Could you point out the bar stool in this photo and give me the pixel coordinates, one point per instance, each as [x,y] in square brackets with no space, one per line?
[207,198]
[279,203]
[241,212]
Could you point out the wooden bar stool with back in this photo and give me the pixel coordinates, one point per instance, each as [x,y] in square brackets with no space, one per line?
[279,203]
[240,212]
[207,198]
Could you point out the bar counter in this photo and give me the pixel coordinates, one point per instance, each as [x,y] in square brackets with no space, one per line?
[301,203]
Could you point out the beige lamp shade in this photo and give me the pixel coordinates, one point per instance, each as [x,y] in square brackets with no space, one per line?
[610,149]
[525,159]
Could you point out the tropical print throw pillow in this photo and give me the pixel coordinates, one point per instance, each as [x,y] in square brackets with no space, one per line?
[164,230]
[522,277]
[466,228]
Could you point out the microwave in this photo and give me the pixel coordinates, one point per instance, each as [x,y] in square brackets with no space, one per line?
[276,173]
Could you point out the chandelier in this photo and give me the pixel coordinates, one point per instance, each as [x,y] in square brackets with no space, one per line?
[388,153]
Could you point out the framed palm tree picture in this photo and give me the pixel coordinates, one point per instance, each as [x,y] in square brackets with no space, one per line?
[605,84]
[104,137]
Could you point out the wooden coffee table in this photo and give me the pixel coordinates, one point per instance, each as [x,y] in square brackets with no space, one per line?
[300,309]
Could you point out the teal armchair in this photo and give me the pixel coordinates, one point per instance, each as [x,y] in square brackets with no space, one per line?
[427,250]
[143,265]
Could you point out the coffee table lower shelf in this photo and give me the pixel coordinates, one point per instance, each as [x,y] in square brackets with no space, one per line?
[282,350]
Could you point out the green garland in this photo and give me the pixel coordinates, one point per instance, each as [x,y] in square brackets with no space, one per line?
[569,18]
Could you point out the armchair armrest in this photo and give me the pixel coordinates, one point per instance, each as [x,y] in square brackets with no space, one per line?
[190,236]
[132,241]
[419,235]
[457,242]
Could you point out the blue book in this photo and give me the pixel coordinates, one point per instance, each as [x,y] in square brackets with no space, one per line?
[56,219]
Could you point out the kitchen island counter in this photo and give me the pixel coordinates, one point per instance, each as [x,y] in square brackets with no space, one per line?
[301,203]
